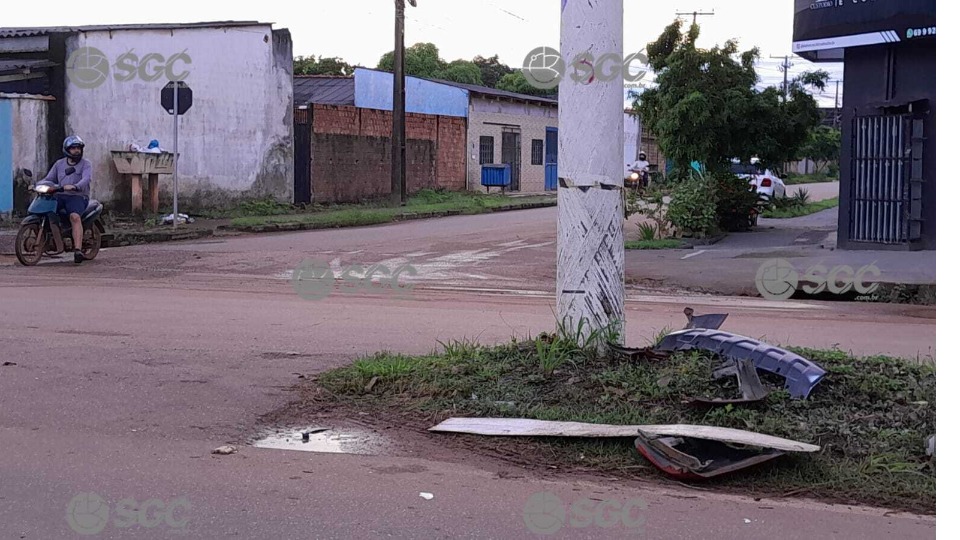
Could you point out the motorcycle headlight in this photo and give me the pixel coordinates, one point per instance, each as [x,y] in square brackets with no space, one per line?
[634,176]
[43,189]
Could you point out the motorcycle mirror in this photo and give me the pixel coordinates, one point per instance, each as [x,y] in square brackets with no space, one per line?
[28,173]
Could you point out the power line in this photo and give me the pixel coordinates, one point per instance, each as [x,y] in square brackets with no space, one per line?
[695,13]
[785,68]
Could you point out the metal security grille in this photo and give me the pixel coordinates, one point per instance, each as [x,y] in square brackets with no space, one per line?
[886,176]
[486,150]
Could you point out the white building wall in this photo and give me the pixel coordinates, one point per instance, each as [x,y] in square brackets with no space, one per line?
[631,140]
[237,139]
[29,152]
[489,118]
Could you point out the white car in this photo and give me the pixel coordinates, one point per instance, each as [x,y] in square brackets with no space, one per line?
[764,182]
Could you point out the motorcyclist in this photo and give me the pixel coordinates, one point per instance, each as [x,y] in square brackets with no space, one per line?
[73,173]
[641,166]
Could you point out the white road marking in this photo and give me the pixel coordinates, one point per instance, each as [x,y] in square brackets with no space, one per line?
[694,254]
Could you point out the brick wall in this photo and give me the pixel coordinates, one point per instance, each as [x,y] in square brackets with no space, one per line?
[451,164]
[351,153]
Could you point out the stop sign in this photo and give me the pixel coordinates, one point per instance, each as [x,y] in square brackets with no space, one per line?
[184,97]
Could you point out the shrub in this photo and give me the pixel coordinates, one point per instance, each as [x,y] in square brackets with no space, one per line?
[693,206]
[735,201]
[648,232]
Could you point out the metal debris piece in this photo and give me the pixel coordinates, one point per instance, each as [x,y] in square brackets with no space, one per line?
[709,322]
[225,450]
[801,374]
[631,354]
[425,495]
[696,452]
[751,389]
[526,427]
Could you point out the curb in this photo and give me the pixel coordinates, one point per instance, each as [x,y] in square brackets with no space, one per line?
[121,238]
[133,238]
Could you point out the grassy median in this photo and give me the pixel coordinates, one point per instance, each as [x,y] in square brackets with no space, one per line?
[871,416]
[799,211]
[664,243]
[425,202]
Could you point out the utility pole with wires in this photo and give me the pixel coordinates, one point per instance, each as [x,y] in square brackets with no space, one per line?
[398,186]
[695,13]
[785,68]
[836,104]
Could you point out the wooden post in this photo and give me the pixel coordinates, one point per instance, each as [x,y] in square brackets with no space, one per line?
[154,189]
[136,194]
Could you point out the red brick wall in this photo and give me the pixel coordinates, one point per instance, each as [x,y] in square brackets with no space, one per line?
[336,120]
[351,153]
[452,142]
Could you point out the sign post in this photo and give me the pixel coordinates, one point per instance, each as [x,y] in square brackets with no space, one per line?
[177,98]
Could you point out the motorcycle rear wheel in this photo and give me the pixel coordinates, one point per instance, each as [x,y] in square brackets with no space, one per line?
[29,244]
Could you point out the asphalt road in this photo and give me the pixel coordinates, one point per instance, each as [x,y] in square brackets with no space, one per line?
[126,372]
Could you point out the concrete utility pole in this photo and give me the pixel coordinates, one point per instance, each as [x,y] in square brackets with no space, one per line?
[590,279]
[836,104]
[785,68]
[398,187]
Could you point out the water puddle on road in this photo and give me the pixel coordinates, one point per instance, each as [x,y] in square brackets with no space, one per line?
[324,440]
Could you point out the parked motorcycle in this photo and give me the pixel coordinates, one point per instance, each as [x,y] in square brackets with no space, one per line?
[41,232]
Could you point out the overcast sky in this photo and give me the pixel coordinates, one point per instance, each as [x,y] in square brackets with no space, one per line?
[360,31]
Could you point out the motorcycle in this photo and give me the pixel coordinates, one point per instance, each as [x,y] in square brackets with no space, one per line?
[41,232]
[638,179]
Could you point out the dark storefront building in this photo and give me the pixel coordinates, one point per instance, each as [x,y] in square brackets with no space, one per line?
[888,158]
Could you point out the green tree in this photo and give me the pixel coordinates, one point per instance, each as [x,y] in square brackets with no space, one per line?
[314,65]
[462,71]
[516,82]
[823,147]
[420,60]
[491,70]
[706,107]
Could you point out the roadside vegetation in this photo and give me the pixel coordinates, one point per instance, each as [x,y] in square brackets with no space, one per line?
[259,213]
[815,178]
[665,243]
[871,416]
[798,205]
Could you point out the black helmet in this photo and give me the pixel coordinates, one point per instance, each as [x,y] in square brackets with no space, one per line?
[71,142]
[642,156]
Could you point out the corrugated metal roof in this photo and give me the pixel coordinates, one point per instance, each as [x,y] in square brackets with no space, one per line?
[323,89]
[483,90]
[44,30]
[21,65]
[493,92]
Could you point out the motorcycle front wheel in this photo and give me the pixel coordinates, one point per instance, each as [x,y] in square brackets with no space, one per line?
[91,242]
[29,244]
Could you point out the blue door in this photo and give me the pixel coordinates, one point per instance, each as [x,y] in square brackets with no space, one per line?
[550,162]
[6,156]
